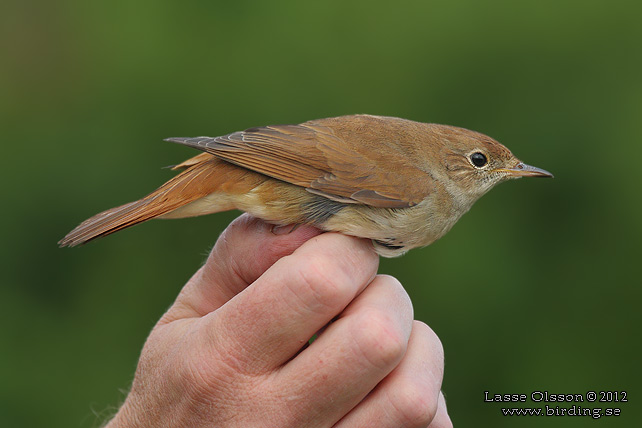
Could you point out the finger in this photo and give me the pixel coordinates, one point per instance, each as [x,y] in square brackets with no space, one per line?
[269,322]
[352,355]
[442,419]
[409,396]
[245,249]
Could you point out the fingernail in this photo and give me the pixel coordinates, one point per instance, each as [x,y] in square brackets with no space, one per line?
[283,230]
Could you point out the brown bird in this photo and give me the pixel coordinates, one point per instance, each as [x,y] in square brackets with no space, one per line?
[401,183]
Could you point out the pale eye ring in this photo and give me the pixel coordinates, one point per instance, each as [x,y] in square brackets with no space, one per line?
[478,159]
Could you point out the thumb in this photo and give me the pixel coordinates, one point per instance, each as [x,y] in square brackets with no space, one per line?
[245,249]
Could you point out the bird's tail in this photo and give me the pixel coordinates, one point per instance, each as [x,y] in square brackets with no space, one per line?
[200,178]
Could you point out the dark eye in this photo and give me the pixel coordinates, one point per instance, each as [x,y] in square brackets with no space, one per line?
[478,159]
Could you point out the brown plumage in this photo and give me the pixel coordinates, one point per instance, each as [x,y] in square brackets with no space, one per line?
[401,183]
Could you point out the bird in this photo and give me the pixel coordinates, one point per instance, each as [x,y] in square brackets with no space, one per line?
[400,183]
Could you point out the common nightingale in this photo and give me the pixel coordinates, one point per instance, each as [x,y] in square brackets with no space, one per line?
[400,183]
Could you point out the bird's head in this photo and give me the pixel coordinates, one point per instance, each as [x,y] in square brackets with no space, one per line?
[474,163]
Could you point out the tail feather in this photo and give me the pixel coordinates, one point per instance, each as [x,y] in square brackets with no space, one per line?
[197,181]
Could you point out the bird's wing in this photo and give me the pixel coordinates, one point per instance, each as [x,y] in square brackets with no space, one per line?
[339,158]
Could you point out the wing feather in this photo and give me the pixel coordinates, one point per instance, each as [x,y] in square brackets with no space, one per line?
[332,157]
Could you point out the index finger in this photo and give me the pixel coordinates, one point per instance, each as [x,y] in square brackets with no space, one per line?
[269,322]
[245,249]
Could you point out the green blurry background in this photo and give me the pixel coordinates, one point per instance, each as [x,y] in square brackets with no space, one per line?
[538,288]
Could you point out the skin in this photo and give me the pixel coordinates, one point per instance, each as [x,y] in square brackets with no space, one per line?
[232,350]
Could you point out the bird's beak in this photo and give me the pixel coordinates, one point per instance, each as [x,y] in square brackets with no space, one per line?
[523,170]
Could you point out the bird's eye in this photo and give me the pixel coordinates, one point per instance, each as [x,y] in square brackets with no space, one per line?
[478,159]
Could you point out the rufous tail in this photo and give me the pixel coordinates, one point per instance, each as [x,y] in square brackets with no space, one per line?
[202,177]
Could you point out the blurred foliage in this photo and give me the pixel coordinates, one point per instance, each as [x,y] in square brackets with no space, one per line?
[538,288]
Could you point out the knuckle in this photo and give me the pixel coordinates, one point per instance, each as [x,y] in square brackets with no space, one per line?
[415,405]
[417,399]
[394,282]
[359,255]
[324,286]
[447,423]
[397,295]
[395,286]
[351,256]
[428,335]
[379,339]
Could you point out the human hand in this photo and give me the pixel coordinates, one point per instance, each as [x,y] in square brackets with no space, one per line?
[233,348]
